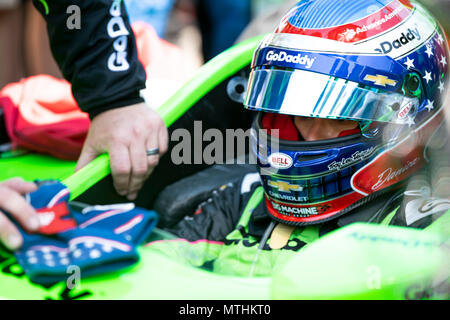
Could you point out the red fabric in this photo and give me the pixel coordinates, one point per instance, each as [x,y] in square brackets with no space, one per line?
[349,132]
[287,129]
[55,219]
[284,123]
[42,115]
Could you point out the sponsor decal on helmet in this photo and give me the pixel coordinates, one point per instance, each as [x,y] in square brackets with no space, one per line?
[309,213]
[404,39]
[350,33]
[348,30]
[280,160]
[390,174]
[380,80]
[386,168]
[287,197]
[283,56]
[284,186]
[404,110]
[356,157]
[298,211]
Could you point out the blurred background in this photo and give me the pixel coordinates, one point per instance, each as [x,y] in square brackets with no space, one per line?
[200,28]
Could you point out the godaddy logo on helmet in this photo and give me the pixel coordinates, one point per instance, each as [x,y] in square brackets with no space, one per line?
[404,39]
[282,56]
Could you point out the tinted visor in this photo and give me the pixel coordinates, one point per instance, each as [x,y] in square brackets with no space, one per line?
[303,93]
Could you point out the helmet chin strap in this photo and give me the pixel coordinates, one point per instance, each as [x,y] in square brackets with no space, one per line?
[280,235]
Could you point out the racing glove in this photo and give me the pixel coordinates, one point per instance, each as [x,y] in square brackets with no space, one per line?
[97,239]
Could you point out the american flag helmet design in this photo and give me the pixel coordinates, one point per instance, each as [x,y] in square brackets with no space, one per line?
[383,63]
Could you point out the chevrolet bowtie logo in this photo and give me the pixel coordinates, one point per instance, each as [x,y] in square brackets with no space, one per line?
[380,80]
[284,186]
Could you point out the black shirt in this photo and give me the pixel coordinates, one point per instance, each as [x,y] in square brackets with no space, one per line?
[97,53]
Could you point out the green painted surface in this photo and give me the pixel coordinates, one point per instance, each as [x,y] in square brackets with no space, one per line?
[360,261]
[356,262]
[35,166]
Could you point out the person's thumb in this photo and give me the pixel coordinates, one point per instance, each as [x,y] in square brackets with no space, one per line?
[87,155]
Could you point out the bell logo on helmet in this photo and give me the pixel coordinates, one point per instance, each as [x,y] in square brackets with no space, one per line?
[282,56]
[405,110]
[280,161]
[387,46]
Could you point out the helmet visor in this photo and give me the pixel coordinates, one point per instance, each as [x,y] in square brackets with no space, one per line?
[303,93]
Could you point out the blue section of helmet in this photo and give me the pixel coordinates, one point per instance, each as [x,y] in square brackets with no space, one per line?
[430,62]
[351,67]
[317,14]
[319,179]
[322,171]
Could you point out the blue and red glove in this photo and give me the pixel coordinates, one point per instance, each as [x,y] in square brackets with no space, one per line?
[97,239]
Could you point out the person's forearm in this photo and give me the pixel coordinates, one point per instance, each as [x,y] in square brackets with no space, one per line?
[96,51]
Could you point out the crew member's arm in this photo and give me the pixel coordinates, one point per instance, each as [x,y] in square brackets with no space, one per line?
[95,48]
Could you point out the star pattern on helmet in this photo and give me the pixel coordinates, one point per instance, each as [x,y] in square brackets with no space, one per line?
[427,76]
[443,61]
[409,63]
[410,121]
[432,71]
[429,51]
[430,105]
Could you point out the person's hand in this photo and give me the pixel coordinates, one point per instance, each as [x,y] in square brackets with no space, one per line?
[12,201]
[125,134]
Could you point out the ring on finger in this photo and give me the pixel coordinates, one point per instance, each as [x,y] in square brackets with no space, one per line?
[152,152]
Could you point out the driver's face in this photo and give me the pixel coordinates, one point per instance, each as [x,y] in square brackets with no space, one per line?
[312,129]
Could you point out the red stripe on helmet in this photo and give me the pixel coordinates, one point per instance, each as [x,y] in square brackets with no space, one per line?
[362,29]
[313,212]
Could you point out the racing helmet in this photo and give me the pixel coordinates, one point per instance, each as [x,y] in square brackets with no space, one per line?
[382,63]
